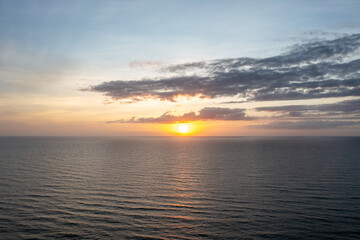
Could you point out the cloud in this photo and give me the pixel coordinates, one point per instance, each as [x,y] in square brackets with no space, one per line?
[207,113]
[344,107]
[316,35]
[232,102]
[312,70]
[146,64]
[347,25]
[25,69]
[305,124]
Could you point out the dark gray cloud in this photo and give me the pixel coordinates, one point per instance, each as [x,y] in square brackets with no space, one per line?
[305,124]
[207,113]
[340,108]
[314,70]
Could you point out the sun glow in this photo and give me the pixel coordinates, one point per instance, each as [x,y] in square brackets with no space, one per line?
[183,128]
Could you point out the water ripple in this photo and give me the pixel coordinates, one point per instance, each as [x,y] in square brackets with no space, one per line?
[187,188]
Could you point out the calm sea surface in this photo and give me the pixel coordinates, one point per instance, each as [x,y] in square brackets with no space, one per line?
[179,188]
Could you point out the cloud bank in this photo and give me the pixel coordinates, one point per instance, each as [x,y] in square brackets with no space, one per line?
[320,69]
[313,70]
[205,114]
[238,114]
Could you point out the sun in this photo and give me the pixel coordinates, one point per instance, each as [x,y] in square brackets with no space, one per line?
[183,128]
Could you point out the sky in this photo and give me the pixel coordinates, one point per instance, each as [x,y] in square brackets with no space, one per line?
[143,68]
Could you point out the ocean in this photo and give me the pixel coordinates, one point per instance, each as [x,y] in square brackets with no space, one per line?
[180,188]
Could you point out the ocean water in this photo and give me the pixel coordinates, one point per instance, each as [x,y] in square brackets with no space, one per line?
[179,188]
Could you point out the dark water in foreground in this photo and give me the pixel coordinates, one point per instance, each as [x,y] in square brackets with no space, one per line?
[179,188]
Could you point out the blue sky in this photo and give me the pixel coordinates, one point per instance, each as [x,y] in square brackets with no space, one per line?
[92,27]
[51,49]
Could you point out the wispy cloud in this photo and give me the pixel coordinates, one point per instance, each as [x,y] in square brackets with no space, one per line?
[146,64]
[309,124]
[205,114]
[24,69]
[313,70]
